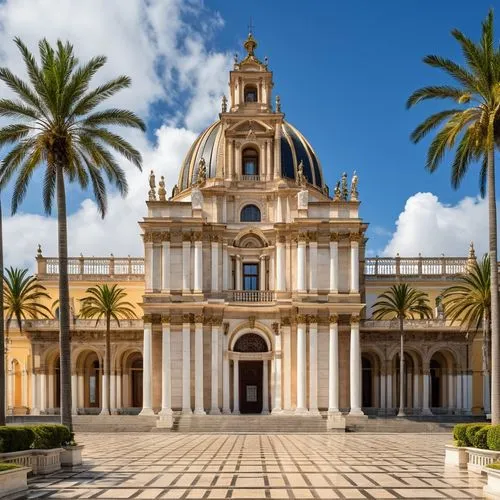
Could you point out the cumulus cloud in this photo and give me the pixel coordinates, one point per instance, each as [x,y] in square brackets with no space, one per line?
[430,227]
[163,46]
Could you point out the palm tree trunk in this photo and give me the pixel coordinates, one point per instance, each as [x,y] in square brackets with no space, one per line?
[107,369]
[401,412]
[3,360]
[64,333]
[486,371]
[495,347]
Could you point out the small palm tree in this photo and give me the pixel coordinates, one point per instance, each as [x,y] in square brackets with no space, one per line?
[3,364]
[22,293]
[57,127]
[469,303]
[105,302]
[471,128]
[402,302]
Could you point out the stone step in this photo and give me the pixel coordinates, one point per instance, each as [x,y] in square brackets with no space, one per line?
[114,423]
[403,425]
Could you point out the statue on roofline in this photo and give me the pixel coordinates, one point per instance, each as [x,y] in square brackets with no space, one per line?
[162,192]
[337,192]
[152,186]
[301,178]
[354,187]
[344,192]
[202,171]
[175,191]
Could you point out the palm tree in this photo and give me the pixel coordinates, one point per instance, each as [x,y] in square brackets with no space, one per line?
[22,293]
[402,302]
[469,302]
[105,302]
[3,361]
[471,128]
[58,128]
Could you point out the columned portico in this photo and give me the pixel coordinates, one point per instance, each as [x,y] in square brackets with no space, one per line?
[301,365]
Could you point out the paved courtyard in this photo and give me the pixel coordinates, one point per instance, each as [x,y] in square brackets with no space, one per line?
[182,466]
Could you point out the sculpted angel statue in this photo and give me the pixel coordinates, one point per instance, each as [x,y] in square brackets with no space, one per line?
[162,192]
[152,186]
[354,187]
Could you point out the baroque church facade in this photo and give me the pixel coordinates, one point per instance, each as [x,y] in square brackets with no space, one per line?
[254,292]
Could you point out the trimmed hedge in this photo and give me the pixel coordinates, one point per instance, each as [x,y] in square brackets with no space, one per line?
[493,438]
[480,439]
[16,438]
[20,438]
[471,431]
[459,434]
[50,436]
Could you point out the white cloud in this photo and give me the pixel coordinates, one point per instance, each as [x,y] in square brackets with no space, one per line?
[429,227]
[168,61]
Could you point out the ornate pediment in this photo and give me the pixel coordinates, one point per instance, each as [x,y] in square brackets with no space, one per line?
[245,127]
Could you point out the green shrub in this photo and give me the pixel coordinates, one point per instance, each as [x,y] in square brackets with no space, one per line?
[494,466]
[16,438]
[50,436]
[493,438]
[4,466]
[471,431]
[480,438]
[459,434]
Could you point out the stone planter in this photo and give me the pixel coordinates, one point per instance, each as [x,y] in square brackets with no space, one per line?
[478,459]
[40,462]
[492,489]
[455,456]
[71,455]
[14,483]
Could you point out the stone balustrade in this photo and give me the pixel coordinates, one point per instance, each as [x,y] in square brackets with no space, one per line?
[419,267]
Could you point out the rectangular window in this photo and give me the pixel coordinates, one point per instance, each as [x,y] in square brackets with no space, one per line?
[250,276]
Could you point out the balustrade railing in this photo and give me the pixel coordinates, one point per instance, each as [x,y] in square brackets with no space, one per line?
[250,177]
[78,267]
[415,266]
[251,296]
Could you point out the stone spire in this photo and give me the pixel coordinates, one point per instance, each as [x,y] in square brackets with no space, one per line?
[471,259]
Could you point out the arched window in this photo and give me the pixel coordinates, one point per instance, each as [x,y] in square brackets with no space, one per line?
[250,93]
[250,164]
[250,213]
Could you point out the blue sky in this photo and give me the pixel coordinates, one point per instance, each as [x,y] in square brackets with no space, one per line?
[343,70]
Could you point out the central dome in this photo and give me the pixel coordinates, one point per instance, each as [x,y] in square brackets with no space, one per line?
[210,146]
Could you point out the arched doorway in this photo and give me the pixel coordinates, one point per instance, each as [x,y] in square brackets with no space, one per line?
[251,373]
[367,382]
[89,370]
[136,381]
[437,375]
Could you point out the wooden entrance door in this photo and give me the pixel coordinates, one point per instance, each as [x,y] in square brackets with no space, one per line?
[251,373]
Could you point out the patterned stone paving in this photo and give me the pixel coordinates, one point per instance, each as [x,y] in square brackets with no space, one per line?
[291,466]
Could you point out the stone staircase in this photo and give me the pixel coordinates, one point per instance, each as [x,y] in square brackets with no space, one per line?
[114,423]
[249,424]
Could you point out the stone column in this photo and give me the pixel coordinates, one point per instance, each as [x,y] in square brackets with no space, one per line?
[225,267]
[262,272]
[43,390]
[469,391]
[148,261]
[119,400]
[147,353]
[165,282]
[214,407]
[265,387]
[24,383]
[355,238]
[287,365]
[50,388]
[388,384]
[277,369]
[313,367]
[313,264]
[277,152]
[81,390]
[334,263]
[10,387]
[333,367]
[301,365]
[186,263]
[112,390]
[186,365]
[383,400]
[104,379]
[269,161]
[237,161]
[355,368]
[225,374]
[230,170]
[459,391]
[262,159]
[451,391]
[425,393]
[198,366]
[279,209]
[35,403]
[166,374]
[198,265]
[280,264]
[237,263]
[416,389]
[236,387]
[74,393]
[301,264]
[215,264]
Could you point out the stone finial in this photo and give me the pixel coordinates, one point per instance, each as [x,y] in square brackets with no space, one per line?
[343,186]
[471,259]
[354,187]
[278,104]
[39,251]
[152,186]
[224,104]
[162,192]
